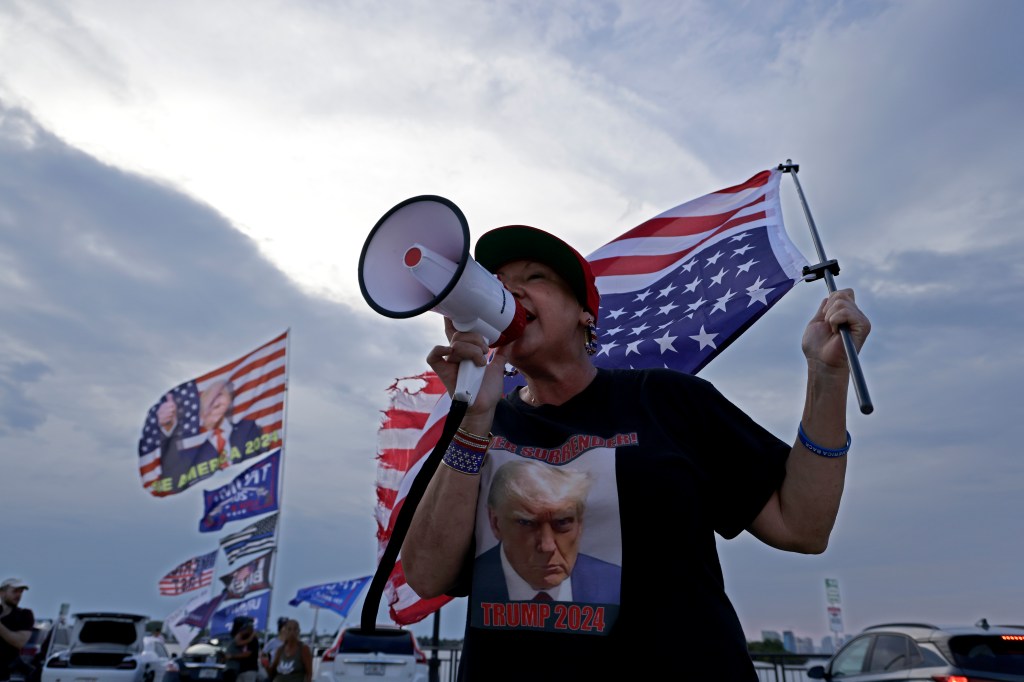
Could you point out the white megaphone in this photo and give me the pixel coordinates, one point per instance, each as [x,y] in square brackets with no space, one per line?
[416,259]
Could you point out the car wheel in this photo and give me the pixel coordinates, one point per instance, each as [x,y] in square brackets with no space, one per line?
[149,676]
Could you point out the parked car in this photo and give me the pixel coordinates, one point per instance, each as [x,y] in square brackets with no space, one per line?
[905,651]
[387,653]
[202,661]
[108,647]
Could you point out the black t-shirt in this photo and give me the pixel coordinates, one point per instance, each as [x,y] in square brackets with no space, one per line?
[18,620]
[675,463]
[251,661]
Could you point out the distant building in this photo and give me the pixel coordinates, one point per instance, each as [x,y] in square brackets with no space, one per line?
[770,636]
[789,641]
[827,645]
[804,645]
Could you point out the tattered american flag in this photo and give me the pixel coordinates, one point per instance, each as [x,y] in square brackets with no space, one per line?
[411,427]
[675,291]
[260,382]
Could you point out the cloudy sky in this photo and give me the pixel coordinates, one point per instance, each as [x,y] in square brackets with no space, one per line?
[181,182]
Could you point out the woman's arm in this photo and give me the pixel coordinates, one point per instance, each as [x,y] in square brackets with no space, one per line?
[800,515]
[441,532]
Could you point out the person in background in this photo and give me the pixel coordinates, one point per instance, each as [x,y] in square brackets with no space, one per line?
[16,624]
[687,464]
[293,660]
[272,645]
[243,652]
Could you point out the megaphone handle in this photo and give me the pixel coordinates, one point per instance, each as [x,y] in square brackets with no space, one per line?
[467,385]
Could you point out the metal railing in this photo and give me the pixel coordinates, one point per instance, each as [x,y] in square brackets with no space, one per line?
[771,667]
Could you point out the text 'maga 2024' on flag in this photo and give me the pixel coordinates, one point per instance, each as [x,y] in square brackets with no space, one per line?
[194,574]
[171,463]
[675,291]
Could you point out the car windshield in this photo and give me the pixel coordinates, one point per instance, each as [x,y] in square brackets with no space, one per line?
[108,632]
[385,641]
[989,653]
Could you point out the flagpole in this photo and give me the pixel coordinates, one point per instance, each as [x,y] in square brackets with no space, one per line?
[827,269]
[280,476]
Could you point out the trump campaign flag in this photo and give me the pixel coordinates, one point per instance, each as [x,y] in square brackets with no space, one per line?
[337,597]
[194,574]
[251,493]
[232,414]
[257,608]
[250,577]
[675,291]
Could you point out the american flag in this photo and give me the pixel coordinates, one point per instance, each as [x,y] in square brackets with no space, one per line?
[679,288]
[411,427]
[251,539]
[675,291]
[260,382]
[193,574]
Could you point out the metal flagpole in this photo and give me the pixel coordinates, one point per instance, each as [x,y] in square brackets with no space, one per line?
[280,476]
[312,635]
[827,269]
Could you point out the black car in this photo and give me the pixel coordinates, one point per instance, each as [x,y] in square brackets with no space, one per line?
[918,651]
[202,661]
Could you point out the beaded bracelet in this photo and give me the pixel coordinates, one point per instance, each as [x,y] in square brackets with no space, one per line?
[819,450]
[465,453]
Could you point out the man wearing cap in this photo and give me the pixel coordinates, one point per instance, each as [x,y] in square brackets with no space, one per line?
[676,463]
[16,624]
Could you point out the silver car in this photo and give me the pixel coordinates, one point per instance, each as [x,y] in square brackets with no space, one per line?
[386,653]
[918,651]
[108,647]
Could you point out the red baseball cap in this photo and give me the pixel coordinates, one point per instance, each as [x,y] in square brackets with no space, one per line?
[521,242]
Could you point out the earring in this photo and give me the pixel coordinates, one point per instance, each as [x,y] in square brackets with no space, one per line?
[510,371]
[591,343]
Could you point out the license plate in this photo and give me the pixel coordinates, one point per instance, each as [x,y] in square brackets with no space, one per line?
[208,674]
[373,669]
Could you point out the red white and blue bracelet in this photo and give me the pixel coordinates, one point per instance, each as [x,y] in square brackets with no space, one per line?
[465,453]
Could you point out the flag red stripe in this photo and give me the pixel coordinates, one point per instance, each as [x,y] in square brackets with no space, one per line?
[631,265]
[256,382]
[231,365]
[759,180]
[404,419]
[682,226]
[255,363]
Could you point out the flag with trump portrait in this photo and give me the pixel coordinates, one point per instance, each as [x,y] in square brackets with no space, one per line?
[676,290]
[208,424]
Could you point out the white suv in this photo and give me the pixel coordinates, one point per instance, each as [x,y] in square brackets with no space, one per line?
[387,653]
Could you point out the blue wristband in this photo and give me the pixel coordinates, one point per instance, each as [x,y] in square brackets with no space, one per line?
[817,449]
